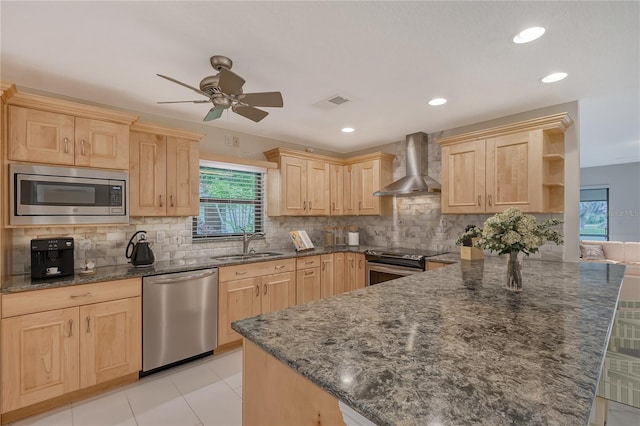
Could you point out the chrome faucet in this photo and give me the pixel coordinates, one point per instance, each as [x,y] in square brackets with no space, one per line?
[246,239]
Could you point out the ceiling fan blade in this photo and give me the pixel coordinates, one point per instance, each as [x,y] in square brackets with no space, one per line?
[251,113]
[264,99]
[215,112]
[202,101]
[230,82]
[183,84]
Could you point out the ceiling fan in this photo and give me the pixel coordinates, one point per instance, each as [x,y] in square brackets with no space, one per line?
[224,91]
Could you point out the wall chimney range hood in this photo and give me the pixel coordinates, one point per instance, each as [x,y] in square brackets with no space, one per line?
[414,182]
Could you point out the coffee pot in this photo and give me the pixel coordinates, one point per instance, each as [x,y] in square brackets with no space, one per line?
[139,251]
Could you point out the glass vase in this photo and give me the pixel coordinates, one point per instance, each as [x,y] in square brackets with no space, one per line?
[514,270]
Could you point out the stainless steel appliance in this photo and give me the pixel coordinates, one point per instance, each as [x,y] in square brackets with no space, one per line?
[388,265]
[45,194]
[51,257]
[179,317]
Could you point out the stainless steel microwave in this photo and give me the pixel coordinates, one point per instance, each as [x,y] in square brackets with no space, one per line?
[41,195]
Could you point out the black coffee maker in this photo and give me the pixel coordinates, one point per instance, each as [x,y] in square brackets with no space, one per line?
[51,257]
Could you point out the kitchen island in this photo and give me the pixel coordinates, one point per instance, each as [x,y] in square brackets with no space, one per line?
[449,346]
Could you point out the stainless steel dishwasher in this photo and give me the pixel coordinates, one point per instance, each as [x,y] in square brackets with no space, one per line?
[179,317]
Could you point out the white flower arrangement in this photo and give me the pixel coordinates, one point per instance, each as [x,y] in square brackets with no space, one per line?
[513,230]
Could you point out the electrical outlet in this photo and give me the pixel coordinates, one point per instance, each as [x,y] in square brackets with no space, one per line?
[227,140]
[236,142]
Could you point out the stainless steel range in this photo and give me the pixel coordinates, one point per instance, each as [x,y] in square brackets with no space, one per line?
[386,265]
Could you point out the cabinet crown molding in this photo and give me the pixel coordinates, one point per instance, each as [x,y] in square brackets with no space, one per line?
[141,126]
[60,106]
[274,156]
[556,122]
[7,90]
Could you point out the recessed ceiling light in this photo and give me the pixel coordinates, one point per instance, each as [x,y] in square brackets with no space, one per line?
[437,101]
[552,78]
[347,129]
[530,34]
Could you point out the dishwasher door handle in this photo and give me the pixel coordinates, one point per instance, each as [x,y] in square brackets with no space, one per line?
[180,278]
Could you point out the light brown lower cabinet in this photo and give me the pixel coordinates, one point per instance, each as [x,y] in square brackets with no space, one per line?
[327,275]
[251,289]
[308,279]
[274,394]
[355,271]
[71,346]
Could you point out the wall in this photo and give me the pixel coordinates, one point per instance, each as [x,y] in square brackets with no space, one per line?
[624,197]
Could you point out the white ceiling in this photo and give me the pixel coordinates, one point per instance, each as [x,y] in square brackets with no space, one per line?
[388,58]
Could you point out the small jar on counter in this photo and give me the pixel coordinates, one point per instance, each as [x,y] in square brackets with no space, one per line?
[354,236]
[329,236]
[341,238]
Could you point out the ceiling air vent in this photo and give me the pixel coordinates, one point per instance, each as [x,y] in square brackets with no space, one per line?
[338,100]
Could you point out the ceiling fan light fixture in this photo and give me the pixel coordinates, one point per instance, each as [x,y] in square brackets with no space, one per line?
[529,34]
[553,77]
[437,101]
[348,130]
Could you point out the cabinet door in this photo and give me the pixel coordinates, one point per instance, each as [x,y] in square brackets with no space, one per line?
[351,269]
[237,300]
[463,177]
[340,277]
[39,357]
[293,172]
[110,340]
[101,144]
[318,183]
[39,136]
[147,174]
[308,285]
[361,278]
[278,291]
[350,196]
[327,275]
[183,177]
[368,181]
[336,189]
[514,172]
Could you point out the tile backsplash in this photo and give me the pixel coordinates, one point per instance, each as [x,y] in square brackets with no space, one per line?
[416,222]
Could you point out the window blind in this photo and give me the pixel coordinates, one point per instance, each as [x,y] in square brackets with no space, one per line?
[230,201]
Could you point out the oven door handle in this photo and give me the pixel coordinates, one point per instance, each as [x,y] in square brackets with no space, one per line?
[393,270]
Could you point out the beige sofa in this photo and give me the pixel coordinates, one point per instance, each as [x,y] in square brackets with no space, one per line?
[627,253]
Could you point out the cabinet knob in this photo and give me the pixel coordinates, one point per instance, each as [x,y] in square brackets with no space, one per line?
[278,267]
[308,272]
[304,205]
[479,198]
[490,199]
[160,196]
[70,327]
[66,145]
[241,272]
[82,149]
[309,205]
[257,290]
[171,200]
[88,324]
[333,206]
[265,289]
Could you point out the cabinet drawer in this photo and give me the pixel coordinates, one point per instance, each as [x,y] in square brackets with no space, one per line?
[308,262]
[257,269]
[64,297]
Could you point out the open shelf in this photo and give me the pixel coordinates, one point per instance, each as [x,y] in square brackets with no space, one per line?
[554,184]
[557,157]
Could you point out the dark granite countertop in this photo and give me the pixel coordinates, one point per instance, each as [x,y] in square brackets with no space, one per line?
[453,347]
[16,283]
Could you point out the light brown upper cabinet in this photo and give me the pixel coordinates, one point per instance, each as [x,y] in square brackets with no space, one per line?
[164,171]
[520,165]
[51,131]
[314,185]
[304,186]
[363,177]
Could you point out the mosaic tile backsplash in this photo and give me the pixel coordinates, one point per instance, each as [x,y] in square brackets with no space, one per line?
[416,222]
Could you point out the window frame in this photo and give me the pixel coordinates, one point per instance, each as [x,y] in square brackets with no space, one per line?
[260,204]
[599,237]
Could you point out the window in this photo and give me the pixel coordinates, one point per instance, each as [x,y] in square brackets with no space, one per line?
[231,199]
[594,214]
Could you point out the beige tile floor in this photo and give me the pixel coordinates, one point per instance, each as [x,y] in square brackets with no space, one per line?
[202,393]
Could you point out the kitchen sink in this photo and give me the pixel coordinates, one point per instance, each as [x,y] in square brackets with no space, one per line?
[247,256]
